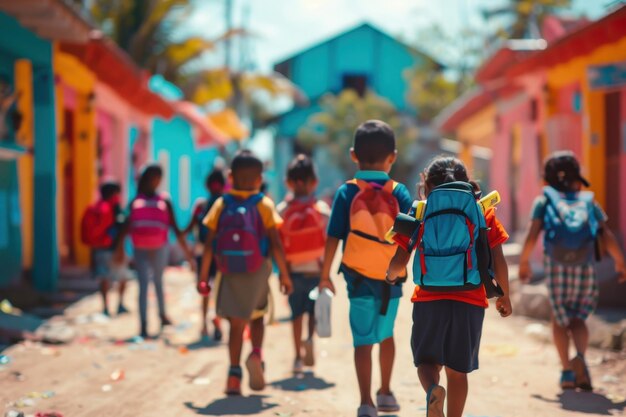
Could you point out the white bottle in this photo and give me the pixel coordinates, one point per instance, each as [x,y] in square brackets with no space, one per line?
[322,312]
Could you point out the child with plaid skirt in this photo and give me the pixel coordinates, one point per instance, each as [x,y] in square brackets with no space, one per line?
[574,227]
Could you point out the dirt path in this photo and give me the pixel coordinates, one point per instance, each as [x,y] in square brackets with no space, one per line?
[176,376]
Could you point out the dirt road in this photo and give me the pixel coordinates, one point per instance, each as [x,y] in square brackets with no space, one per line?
[106,373]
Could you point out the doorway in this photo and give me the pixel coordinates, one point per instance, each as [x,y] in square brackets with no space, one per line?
[613,150]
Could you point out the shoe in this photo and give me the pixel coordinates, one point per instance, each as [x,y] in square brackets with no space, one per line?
[121,309]
[582,378]
[309,353]
[144,331]
[434,401]
[255,369]
[217,334]
[387,403]
[105,312]
[298,366]
[366,410]
[165,321]
[568,379]
[233,383]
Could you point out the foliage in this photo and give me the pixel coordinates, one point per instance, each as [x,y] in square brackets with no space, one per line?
[333,127]
[429,91]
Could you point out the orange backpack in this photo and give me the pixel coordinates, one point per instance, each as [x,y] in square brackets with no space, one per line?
[372,213]
[303,232]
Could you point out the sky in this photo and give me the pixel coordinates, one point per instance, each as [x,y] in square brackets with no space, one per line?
[284,27]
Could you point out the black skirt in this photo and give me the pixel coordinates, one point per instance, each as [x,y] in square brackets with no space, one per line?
[447,333]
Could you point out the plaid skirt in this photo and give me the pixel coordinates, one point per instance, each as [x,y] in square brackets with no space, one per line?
[573,290]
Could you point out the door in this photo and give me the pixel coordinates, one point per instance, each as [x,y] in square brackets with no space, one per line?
[612,112]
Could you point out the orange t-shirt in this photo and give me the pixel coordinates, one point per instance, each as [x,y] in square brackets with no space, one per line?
[497,235]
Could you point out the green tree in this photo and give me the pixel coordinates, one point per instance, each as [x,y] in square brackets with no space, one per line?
[333,128]
[430,91]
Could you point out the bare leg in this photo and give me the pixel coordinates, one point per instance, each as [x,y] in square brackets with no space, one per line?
[386,357]
[561,342]
[428,375]
[104,290]
[235,340]
[121,290]
[311,321]
[205,310]
[457,392]
[257,331]
[297,336]
[580,335]
[363,364]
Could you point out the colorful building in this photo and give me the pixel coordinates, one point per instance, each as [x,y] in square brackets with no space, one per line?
[362,58]
[28,146]
[534,99]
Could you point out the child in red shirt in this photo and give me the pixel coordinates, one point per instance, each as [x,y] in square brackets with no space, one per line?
[447,324]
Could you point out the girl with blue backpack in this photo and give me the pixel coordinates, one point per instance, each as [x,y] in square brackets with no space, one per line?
[456,244]
[574,227]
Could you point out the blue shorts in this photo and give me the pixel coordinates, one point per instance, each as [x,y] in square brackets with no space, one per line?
[101,263]
[299,300]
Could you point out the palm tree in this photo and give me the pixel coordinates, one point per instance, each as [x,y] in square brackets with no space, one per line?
[526,15]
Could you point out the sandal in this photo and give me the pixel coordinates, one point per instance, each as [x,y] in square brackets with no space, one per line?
[255,367]
[387,403]
[233,383]
[434,401]
[568,379]
[366,410]
[582,378]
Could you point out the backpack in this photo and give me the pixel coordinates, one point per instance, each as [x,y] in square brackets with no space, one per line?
[149,222]
[303,232]
[94,226]
[570,226]
[452,250]
[372,213]
[241,244]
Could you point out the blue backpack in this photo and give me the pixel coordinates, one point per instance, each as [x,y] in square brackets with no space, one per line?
[570,226]
[447,258]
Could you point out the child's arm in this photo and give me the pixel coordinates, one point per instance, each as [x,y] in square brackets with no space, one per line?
[278,253]
[612,247]
[180,236]
[397,265]
[332,243]
[207,258]
[525,272]
[501,270]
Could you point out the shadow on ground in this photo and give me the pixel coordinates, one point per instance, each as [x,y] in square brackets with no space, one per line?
[585,402]
[303,382]
[235,405]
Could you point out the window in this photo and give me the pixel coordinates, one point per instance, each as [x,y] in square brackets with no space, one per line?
[184,183]
[356,82]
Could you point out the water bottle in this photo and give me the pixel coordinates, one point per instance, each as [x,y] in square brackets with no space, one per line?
[322,312]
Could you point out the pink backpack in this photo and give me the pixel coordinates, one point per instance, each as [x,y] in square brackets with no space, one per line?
[149,222]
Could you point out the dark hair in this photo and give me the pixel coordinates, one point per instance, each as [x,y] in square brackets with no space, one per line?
[445,169]
[374,141]
[245,168]
[214,180]
[148,174]
[109,189]
[561,171]
[301,168]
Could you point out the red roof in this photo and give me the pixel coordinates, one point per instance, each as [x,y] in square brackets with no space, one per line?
[115,68]
[499,62]
[611,28]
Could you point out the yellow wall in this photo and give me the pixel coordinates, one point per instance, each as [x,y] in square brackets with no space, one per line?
[83,156]
[574,71]
[477,130]
[25,137]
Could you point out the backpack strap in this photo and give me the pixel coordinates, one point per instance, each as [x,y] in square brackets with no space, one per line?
[389,186]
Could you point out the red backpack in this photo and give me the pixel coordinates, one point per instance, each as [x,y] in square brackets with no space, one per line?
[95,225]
[303,232]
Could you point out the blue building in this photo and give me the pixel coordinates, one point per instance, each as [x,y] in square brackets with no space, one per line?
[362,58]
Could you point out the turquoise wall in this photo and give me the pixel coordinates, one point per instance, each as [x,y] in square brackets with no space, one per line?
[16,42]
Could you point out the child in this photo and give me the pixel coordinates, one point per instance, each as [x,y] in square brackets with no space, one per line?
[100,227]
[243,234]
[303,234]
[572,222]
[363,210]
[150,219]
[449,304]
[215,183]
